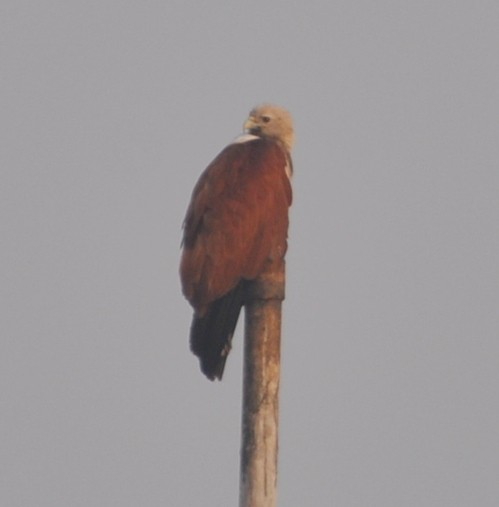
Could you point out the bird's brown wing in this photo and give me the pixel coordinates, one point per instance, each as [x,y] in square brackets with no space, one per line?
[236,222]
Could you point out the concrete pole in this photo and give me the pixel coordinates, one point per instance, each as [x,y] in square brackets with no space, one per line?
[260,417]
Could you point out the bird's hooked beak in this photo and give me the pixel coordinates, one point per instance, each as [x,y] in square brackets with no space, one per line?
[251,126]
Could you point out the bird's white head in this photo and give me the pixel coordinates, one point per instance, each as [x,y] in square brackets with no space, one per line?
[273,122]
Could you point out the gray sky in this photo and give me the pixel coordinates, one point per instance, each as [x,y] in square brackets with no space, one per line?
[110,111]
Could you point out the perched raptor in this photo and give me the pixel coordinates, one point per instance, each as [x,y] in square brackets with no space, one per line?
[236,225]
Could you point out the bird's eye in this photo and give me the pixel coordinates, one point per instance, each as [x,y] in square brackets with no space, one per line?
[265,119]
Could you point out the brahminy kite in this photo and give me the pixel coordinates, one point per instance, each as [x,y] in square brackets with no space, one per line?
[236,226]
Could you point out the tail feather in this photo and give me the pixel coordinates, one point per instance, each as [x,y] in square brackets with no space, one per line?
[211,335]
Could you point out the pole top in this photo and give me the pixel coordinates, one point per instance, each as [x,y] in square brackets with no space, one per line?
[269,285]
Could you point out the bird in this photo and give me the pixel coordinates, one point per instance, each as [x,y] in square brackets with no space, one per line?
[236,228]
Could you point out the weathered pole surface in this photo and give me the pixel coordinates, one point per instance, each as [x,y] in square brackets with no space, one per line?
[260,417]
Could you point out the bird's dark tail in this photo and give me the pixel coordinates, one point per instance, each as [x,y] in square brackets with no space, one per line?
[211,335]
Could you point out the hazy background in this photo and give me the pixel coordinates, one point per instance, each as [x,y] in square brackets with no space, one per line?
[390,385]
